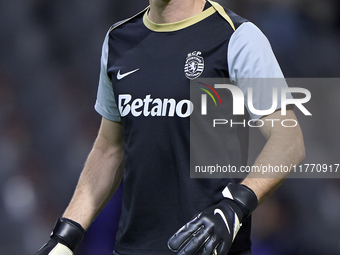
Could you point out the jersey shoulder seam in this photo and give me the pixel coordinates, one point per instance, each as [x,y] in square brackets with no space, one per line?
[232,18]
[126,20]
[223,13]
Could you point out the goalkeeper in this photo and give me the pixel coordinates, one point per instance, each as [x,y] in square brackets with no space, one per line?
[147,64]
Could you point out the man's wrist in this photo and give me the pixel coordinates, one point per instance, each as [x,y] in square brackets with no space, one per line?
[243,196]
[68,232]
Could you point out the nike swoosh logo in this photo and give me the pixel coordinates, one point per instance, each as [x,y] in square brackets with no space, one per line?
[218,211]
[121,76]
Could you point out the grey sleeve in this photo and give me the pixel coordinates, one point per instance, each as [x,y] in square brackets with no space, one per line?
[106,104]
[251,63]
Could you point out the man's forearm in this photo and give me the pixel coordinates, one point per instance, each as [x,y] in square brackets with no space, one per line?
[285,147]
[98,181]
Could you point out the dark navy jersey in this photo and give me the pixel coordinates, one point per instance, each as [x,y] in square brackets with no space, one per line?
[146,70]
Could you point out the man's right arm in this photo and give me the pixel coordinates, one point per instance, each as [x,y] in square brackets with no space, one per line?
[98,181]
[100,177]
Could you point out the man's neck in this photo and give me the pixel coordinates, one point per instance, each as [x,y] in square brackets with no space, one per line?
[170,11]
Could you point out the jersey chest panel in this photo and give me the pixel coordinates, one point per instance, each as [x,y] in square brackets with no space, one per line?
[159,58]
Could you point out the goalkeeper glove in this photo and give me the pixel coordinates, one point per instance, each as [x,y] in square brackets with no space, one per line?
[65,238]
[214,230]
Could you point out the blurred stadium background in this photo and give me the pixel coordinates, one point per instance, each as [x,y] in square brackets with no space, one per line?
[49,66]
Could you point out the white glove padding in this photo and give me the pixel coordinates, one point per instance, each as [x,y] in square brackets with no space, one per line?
[52,247]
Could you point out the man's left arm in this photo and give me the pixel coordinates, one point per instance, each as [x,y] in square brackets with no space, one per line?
[284,148]
[213,230]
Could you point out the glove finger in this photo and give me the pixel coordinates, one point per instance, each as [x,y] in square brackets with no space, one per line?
[184,234]
[209,246]
[223,248]
[196,242]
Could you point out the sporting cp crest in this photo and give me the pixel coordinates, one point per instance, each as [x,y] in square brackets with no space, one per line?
[194,65]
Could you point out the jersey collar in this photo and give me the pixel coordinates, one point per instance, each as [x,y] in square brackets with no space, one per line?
[169,27]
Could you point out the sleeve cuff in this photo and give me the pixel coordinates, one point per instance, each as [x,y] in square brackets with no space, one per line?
[106,114]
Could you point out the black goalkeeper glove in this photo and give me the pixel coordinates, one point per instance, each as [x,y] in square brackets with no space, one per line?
[213,230]
[65,238]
